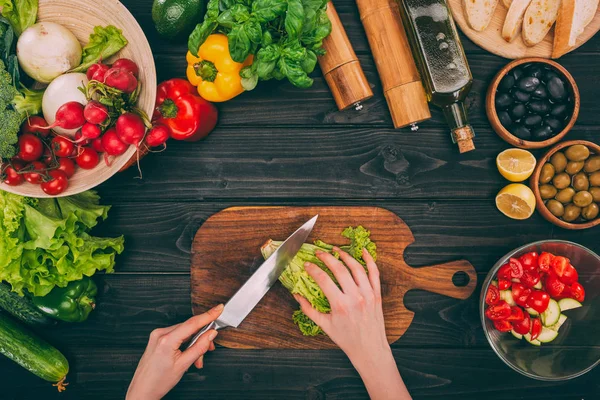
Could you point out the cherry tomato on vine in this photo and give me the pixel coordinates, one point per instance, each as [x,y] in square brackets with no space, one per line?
[30,146]
[56,184]
[62,146]
[87,158]
[67,166]
[36,175]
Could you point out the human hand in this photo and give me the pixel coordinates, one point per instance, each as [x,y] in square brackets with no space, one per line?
[162,365]
[356,321]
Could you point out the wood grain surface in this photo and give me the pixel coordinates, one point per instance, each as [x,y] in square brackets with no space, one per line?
[226,251]
[491,38]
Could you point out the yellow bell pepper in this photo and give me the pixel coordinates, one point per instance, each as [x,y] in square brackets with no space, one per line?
[215,74]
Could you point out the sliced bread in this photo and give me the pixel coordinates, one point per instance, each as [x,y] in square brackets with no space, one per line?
[538,19]
[573,17]
[479,13]
[514,19]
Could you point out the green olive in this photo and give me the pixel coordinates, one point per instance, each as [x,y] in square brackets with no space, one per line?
[572,212]
[561,180]
[577,152]
[559,161]
[547,191]
[556,208]
[595,179]
[592,164]
[574,167]
[581,181]
[582,199]
[595,192]
[565,196]
[590,212]
[547,173]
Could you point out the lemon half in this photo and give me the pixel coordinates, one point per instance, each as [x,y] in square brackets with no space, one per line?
[516,201]
[516,165]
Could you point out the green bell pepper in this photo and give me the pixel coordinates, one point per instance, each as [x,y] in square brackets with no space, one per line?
[72,303]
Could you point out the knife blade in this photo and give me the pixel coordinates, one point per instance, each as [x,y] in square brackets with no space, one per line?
[251,292]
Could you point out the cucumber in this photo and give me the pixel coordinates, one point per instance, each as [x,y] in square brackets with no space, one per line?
[534,342]
[494,283]
[517,335]
[538,285]
[568,304]
[22,308]
[32,353]
[532,312]
[507,296]
[551,315]
[547,335]
[561,321]
[516,280]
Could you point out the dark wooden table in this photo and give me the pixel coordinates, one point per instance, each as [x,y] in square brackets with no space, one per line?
[285,146]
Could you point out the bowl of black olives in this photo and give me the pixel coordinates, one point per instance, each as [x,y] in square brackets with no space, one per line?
[532,103]
[566,185]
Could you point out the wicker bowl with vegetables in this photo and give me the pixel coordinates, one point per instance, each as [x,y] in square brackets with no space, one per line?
[115,34]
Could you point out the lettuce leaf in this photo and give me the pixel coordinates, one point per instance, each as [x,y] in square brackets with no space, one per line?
[20,13]
[104,43]
[46,243]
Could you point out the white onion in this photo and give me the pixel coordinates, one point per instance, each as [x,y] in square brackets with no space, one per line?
[60,91]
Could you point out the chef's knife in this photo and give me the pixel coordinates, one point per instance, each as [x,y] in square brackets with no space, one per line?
[248,296]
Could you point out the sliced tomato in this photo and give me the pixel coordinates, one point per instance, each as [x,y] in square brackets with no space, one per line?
[516,269]
[520,294]
[529,261]
[554,286]
[504,272]
[559,264]
[565,294]
[516,314]
[530,278]
[544,261]
[498,311]
[538,300]
[577,292]
[524,325]
[536,328]
[570,275]
[504,284]
[503,326]
[492,296]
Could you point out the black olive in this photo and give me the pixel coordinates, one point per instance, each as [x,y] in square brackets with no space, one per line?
[539,107]
[559,110]
[549,74]
[528,84]
[517,73]
[540,92]
[503,100]
[506,83]
[521,132]
[518,111]
[532,120]
[505,119]
[521,96]
[556,88]
[542,133]
[535,70]
[554,124]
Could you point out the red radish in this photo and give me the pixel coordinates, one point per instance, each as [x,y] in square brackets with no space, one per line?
[128,65]
[68,116]
[29,126]
[158,135]
[90,131]
[131,129]
[122,79]
[97,71]
[95,112]
[80,140]
[97,145]
[113,146]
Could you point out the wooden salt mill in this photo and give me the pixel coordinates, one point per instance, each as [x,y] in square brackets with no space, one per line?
[341,68]
[397,70]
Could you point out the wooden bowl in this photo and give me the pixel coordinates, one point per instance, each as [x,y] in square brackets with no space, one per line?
[80,17]
[534,183]
[490,106]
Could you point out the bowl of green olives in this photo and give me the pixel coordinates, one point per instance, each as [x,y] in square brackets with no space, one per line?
[566,185]
[532,103]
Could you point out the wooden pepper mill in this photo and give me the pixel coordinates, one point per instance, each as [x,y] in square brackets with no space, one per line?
[397,70]
[341,68]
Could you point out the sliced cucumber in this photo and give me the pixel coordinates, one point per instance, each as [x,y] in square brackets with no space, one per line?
[494,283]
[534,342]
[507,296]
[561,321]
[516,280]
[532,312]
[517,335]
[538,285]
[547,335]
[552,314]
[568,304]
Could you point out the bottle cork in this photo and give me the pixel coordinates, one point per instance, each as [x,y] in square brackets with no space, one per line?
[341,67]
[395,64]
[463,137]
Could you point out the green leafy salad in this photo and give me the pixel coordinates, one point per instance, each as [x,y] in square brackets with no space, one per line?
[46,242]
[297,281]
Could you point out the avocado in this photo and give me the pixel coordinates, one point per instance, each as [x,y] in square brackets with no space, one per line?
[177,18]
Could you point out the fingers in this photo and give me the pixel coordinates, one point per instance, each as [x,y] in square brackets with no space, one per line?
[202,345]
[358,271]
[318,318]
[340,272]
[199,363]
[373,273]
[325,282]
[185,330]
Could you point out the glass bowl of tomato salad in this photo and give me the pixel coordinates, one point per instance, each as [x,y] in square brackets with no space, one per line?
[575,350]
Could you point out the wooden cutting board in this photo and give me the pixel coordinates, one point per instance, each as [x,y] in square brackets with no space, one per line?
[226,251]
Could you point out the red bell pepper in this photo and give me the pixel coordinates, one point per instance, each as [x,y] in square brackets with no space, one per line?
[188,116]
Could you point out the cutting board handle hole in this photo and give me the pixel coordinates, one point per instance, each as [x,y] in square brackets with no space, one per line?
[460,279]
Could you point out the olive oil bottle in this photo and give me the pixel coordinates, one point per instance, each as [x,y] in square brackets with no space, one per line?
[442,63]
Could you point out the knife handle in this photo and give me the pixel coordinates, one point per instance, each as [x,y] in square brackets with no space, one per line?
[216,325]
